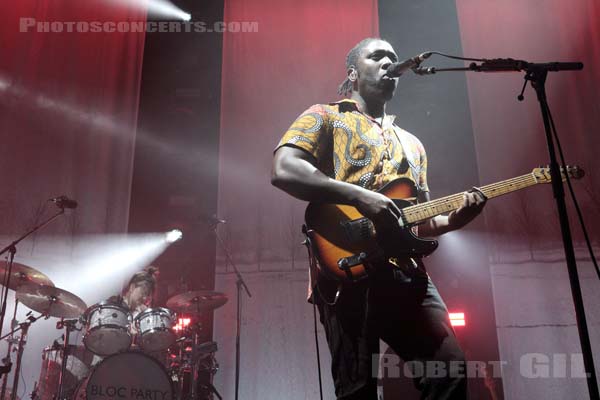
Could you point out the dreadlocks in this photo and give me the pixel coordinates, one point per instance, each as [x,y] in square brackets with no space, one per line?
[351,59]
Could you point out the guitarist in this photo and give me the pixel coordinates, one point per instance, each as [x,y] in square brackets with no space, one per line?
[342,153]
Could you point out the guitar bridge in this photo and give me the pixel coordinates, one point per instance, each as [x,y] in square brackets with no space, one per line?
[346,263]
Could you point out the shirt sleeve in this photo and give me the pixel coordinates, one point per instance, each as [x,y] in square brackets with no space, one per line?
[423,186]
[308,132]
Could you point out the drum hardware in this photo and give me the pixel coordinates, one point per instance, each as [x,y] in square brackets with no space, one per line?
[23,327]
[8,266]
[194,365]
[69,325]
[54,302]
[17,275]
[195,358]
[11,342]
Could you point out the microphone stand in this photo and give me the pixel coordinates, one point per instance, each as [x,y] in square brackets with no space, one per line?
[239,284]
[536,73]
[12,250]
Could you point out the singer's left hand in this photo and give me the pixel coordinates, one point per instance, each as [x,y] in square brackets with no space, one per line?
[473,202]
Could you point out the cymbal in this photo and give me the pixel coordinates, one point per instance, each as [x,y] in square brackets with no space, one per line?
[51,301]
[196,301]
[23,275]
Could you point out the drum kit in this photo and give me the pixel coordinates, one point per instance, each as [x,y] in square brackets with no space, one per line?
[155,355]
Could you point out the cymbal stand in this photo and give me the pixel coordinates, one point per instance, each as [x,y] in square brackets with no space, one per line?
[193,361]
[11,341]
[24,327]
[22,343]
[12,250]
[211,366]
[69,325]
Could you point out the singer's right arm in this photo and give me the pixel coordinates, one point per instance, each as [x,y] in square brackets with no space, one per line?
[294,172]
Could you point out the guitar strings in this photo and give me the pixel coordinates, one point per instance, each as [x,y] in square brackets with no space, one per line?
[444,202]
[526,180]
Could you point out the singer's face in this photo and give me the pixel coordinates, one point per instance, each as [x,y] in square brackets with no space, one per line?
[372,65]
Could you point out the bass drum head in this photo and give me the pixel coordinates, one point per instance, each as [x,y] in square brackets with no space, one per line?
[127,376]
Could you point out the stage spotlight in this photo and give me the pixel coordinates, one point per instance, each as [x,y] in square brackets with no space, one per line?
[173,236]
[157,9]
[163,9]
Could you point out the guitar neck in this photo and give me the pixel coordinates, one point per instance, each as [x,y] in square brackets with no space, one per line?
[421,212]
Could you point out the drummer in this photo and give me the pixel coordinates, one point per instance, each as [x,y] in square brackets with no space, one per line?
[138,294]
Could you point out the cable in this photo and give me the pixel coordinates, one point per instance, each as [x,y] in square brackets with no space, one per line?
[24,384]
[457,57]
[312,261]
[572,193]
[314,301]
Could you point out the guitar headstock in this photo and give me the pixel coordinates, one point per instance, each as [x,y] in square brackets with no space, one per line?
[542,174]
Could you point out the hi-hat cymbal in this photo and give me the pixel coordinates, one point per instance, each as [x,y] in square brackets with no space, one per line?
[51,301]
[23,275]
[196,301]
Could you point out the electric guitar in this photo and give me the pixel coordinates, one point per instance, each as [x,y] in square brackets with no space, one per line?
[346,243]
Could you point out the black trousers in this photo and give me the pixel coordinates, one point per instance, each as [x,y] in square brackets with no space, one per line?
[409,316]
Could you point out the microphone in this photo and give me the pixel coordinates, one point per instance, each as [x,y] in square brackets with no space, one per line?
[213,220]
[397,69]
[424,70]
[216,221]
[64,202]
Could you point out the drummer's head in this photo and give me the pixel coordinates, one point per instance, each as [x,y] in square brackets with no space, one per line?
[141,286]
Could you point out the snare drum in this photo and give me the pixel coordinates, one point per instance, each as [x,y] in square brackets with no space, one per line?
[155,329]
[107,329]
[127,376]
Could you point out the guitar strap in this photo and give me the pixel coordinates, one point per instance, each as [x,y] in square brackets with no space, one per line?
[415,168]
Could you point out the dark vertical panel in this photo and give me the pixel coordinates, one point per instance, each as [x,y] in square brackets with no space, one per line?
[176,168]
[436,109]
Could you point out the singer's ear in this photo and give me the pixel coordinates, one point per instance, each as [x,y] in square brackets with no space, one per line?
[352,74]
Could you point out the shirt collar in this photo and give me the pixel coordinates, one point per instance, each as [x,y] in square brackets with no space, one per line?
[349,105]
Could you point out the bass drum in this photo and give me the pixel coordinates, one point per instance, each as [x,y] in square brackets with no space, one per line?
[130,375]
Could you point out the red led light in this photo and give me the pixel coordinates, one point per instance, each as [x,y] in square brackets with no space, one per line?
[182,323]
[457,319]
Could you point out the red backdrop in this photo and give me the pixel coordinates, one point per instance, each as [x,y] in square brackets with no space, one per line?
[68,111]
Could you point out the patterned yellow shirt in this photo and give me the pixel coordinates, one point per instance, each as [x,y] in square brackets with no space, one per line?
[350,146]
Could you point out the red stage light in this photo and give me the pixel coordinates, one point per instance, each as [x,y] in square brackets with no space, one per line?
[457,318]
[182,323]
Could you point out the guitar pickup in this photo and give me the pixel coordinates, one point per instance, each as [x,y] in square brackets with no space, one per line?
[358,229]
